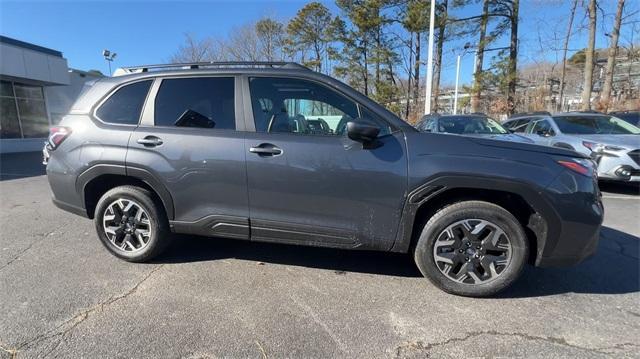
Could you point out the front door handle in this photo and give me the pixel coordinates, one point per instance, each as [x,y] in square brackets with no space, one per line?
[266,149]
[150,141]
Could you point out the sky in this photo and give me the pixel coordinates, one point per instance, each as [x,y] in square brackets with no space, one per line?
[150,32]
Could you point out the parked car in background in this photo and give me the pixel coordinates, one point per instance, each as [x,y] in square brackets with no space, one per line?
[275,152]
[613,143]
[633,117]
[477,125]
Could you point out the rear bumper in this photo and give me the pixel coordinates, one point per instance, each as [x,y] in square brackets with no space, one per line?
[70,208]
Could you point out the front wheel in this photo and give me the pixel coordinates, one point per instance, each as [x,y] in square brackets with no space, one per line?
[472,248]
[131,224]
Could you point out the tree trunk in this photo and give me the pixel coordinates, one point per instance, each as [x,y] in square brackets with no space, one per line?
[477,72]
[416,75]
[605,97]
[513,59]
[564,54]
[588,64]
[408,107]
[438,62]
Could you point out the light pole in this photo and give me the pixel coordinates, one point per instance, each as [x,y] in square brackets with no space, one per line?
[455,96]
[109,56]
[427,97]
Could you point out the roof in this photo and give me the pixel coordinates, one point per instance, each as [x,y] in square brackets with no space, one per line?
[29,46]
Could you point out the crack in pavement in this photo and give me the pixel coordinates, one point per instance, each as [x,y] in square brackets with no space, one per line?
[38,239]
[553,340]
[80,317]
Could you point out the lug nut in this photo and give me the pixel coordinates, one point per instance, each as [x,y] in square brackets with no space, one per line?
[467,259]
[460,250]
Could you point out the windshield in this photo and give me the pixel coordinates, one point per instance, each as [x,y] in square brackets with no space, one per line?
[594,125]
[470,125]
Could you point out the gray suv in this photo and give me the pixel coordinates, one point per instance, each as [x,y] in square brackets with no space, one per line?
[275,152]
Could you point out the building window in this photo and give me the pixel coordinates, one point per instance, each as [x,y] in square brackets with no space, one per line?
[23,113]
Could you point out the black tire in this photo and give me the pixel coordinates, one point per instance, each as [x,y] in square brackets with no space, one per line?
[160,234]
[472,210]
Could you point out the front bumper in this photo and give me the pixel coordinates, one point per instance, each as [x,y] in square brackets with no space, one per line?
[617,166]
[573,221]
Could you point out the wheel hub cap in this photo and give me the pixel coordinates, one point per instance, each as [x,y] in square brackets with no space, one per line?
[472,251]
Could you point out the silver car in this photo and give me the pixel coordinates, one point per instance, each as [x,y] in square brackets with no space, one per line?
[612,142]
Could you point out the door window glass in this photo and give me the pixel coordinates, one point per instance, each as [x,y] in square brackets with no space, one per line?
[204,102]
[542,127]
[304,107]
[124,106]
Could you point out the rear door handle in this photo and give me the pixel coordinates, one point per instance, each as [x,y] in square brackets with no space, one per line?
[150,141]
[266,149]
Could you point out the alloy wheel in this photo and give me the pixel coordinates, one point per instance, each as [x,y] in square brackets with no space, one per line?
[127,225]
[472,251]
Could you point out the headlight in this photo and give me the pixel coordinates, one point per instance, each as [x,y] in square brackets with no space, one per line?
[593,146]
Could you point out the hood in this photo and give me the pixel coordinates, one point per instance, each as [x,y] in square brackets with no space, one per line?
[523,146]
[503,137]
[628,141]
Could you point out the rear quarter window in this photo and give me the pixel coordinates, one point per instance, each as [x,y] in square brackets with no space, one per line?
[124,105]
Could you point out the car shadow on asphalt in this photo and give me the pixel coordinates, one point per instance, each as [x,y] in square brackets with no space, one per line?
[612,270]
[196,249]
[620,188]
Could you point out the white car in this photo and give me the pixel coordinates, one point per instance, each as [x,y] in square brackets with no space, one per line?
[613,143]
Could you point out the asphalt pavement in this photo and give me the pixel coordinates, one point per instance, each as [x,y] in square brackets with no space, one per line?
[63,295]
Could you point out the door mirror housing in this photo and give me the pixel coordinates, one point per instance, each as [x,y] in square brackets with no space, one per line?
[362,131]
[543,133]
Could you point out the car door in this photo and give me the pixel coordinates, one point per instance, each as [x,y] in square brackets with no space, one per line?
[541,131]
[320,187]
[190,140]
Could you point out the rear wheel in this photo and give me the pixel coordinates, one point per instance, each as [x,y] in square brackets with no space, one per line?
[472,248]
[131,224]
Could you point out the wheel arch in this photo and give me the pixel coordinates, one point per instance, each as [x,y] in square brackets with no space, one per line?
[519,198]
[97,180]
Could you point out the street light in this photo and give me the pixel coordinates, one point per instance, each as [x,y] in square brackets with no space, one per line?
[109,56]
[427,97]
[455,96]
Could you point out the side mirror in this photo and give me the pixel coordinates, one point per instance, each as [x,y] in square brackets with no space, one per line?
[361,131]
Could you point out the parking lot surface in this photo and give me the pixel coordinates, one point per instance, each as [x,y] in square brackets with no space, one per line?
[63,295]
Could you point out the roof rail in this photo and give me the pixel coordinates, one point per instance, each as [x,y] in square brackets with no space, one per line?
[533,113]
[205,65]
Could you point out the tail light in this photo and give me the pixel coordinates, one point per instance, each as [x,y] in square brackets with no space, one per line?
[57,135]
[582,166]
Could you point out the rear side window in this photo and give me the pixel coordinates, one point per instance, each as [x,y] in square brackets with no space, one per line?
[124,106]
[205,102]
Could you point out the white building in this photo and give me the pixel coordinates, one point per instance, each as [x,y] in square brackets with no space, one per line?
[37,89]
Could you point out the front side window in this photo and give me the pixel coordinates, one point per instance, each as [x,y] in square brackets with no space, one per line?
[203,102]
[542,127]
[124,106]
[590,125]
[518,126]
[304,107]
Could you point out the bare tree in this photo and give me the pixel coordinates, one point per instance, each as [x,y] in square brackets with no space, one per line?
[271,36]
[194,50]
[589,57]
[605,96]
[564,52]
